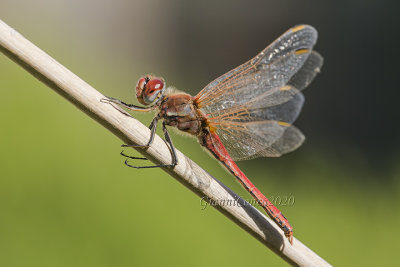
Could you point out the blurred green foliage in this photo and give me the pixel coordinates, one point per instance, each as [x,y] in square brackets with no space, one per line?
[66,199]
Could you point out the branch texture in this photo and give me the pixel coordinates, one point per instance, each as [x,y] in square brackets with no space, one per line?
[131,131]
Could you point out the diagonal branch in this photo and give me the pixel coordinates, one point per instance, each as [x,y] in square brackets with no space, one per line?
[129,130]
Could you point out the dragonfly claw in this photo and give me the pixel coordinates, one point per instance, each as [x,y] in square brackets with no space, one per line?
[290,237]
[124,145]
[104,100]
[131,157]
[132,166]
[147,167]
[108,99]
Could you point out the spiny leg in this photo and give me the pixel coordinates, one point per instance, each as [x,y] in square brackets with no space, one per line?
[172,149]
[131,157]
[125,105]
[171,145]
[153,128]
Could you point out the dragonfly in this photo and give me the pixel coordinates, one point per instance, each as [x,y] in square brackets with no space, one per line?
[244,114]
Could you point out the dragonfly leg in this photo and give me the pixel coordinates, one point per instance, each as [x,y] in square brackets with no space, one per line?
[171,145]
[153,128]
[125,105]
[173,154]
[131,157]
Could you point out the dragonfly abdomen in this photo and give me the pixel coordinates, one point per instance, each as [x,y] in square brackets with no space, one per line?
[213,143]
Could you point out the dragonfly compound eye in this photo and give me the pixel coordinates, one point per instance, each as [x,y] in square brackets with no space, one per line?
[141,85]
[152,89]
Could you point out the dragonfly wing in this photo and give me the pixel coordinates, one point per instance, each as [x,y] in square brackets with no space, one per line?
[307,72]
[248,139]
[290,140]
[271,68]
[280,104]
[250,130]
[251,108]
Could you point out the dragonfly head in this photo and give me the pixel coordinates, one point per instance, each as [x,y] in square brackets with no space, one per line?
[149,89]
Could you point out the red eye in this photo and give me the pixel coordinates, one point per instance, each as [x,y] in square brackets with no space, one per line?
[140,87]
[155,84]
[148,88]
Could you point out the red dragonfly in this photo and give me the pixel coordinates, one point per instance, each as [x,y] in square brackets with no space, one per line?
[244,114]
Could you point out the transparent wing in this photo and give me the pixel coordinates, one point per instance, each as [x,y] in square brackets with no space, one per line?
[307,72]
[251,108]
[290,140]
[271,68]
[248,130]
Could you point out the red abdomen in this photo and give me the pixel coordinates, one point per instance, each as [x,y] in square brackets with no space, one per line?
[213,143]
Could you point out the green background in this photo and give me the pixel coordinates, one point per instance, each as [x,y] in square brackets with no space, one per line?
[66,199]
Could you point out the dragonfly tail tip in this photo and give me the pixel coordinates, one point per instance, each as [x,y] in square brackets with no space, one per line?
[290,237]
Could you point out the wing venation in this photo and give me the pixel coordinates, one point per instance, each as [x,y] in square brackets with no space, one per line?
[253,106]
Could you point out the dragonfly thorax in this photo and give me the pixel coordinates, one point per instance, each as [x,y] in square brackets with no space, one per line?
[178,110]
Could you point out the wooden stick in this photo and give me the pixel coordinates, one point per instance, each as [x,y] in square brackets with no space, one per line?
[131,131]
